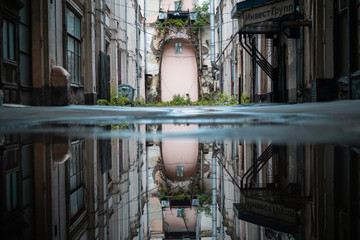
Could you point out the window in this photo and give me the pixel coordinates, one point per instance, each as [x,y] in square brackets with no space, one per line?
[73,47]
[8,40]
[180,212]
[180,171]
[9,54]
[12,166]
[177,6]
[178,47]
[76,179]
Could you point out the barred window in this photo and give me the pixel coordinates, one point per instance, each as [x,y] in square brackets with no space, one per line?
[73,47]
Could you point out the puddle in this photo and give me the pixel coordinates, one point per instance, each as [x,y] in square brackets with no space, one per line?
[182,175]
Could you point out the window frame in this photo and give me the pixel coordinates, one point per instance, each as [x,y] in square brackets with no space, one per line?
[77,150]
[178,48]
[75,70]
[180,171]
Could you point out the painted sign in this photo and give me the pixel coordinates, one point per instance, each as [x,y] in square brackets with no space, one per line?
[267,12]
[269,209]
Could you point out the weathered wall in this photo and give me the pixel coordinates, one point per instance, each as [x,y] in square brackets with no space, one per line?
[179,72]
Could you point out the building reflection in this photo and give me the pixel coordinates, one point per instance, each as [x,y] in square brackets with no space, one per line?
[60,187]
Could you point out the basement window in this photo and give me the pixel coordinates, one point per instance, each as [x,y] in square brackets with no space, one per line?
[178,47]
[180,171]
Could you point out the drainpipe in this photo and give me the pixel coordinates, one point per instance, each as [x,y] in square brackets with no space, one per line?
[145,46]
[201,171]
[212,38]
[213,168]
[137,51]
[198,223]
[200,51]
[233,56]
[139,186]
[349,35]
[147,190]
[235,161]
[126,45]
[222,195]
[128,190]
[220,46]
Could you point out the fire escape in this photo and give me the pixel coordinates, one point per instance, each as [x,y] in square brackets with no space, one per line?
[248,44]
[270,205]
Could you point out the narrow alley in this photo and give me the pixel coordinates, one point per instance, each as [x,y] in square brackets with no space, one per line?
[180,119]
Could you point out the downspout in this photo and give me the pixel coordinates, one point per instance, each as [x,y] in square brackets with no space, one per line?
[198,223]
[137,52]
[126,44]
[145,46]
[214,209]
[214,67]
[233,61]
[349,35]
[220,47]
[200,51]
[139,186]
[222,195]
[235,162]
[147,190]
[201,171]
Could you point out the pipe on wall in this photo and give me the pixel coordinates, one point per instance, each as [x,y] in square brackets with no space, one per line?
[139,186]
[137,50]
[214,209]
[145,46]
[220,47]
[212,37]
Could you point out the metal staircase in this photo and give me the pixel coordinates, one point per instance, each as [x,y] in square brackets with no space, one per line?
[247,181]
[258,57]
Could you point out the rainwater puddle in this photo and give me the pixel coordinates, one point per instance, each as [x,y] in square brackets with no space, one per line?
[179,174]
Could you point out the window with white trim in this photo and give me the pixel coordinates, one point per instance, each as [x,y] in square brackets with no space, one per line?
[180,171]
[73,55]
[178,47]
[76,179]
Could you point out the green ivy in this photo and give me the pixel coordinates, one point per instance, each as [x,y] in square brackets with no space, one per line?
[203,16]
[245,99]
[115,101]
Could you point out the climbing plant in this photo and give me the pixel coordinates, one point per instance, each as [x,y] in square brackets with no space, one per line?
[203,16]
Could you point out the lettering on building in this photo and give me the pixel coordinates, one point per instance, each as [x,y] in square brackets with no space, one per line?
[267,12]
[275,211]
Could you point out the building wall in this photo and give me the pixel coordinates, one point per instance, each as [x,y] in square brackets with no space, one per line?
[179,72]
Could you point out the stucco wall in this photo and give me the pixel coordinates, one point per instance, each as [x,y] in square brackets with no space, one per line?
[179,73]
[173,223]
[179,152]
[169,5]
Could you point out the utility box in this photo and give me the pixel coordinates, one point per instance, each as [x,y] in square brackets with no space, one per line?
[126,90]
[60,86]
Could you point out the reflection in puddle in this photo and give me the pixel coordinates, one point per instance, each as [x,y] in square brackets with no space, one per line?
[60,187]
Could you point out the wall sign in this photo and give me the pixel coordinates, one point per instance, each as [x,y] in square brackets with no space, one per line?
[269,209]
[266,12]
